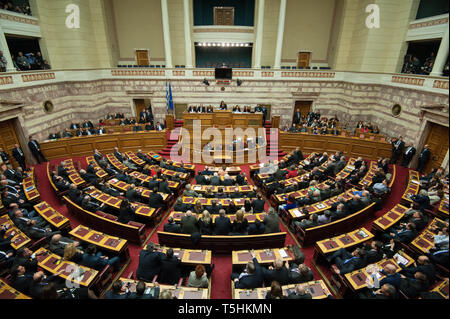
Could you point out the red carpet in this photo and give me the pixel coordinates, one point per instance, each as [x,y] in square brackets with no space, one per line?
[221,285]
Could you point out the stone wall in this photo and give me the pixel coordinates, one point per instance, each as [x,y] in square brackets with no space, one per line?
[76,101]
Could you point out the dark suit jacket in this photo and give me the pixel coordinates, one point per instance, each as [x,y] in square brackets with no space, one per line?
[164,188]
[155,200]
[33,147]
[172,228]
[149,264]
[132,195]
[17,156]
[222,226]
[272,224]
[189,225]
[94,262]
[251,281]
[170,271]
[281,275]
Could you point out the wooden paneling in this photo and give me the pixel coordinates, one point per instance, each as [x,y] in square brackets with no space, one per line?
[303,106]
[139,105]
[8,138]
[437,139]
[352,147]
[142,57]
[222,119]
[85,145]
[223,15]
[303,59]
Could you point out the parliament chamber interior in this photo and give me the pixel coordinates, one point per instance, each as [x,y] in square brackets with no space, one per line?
[224,149]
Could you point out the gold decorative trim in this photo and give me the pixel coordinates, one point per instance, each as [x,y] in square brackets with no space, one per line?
[38,77]
[428,23]
[203,73]
[6,80]
[242,73]
[223,30]
[178,73]
[438,84]
[138,72]
[308,74]
[407,80]
[18,19]
[266,74]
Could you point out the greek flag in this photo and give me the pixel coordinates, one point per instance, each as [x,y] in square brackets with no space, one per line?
[169,101]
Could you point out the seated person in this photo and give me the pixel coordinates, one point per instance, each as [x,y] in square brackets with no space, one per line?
[222,224]
[171,226]
[256,228]
[240,223]
[95,260]
[251,277]
[150,262]
[170,269]
[278,272]
[300,274]
[347,262]
[198,278]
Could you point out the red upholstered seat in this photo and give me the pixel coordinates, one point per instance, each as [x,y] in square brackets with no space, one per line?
[109,216]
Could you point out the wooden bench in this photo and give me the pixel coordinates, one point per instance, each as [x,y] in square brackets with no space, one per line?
[223,244]
[133,231]
[344,225]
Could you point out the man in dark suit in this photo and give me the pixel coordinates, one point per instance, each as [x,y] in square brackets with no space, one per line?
[171,226]
[97,155]
[278,272]
[409,154]
[35,149]
[424,157]
[297,117]
[137,128]
[189,223]
[159,126]
[251,278]
[374,252]
[300,293]
[164,186]
[150,262]
[21,279]
[422,265]
[18,154]
[347,262]
[271,222]
[222,224]
[170,269]
[101,131]
[201,179]
[155,200]
[300,274]
[397,150]
[4,156]
[118,155]
[405,234]
[97,261]
[131,194]
[74,126]
[258,204]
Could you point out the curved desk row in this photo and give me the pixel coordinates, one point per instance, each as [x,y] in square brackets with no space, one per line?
[85,145]
[350,146]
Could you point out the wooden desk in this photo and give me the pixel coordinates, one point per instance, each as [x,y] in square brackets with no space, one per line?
[425,240]
[367,179]
[226,189]
[144,192]
[74,175]
[316,288]
[443,205]
[223,244]
[114,202]
[442,288]
[222,201]
[188,256]
[263,256]
[356,280]
[179,292]
[251,218]
[319,207]
[8,292]
[222,119]
[390,218]
[106,242]
[85,145]
[412,186]
[30,188]
[98,170]
[52,216]
[20,239]
[146,178]
[54,263]
[134,158]
[231,170]
[350,146]
[116,163]
[350,239]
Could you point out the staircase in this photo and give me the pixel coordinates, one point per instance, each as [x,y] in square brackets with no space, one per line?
[171,142]
[177,123]
[272,147]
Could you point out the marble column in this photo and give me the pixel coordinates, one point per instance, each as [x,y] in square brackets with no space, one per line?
[259,35]
[279,47]
[5,49]
[166,33]
[187,34]
[442,55]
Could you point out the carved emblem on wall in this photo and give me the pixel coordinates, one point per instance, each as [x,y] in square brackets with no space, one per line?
[37,77]
[440,84]
[396,110]
[407,80]
[6,80]
[48,106]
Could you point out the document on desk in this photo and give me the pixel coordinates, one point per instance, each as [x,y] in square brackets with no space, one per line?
[283,254]
[400,259]
[297,213]
[415,182]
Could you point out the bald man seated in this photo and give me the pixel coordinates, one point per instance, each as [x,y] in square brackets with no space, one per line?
[58,244]
[278,272]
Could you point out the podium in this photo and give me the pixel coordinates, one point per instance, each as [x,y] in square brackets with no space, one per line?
[222,118]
